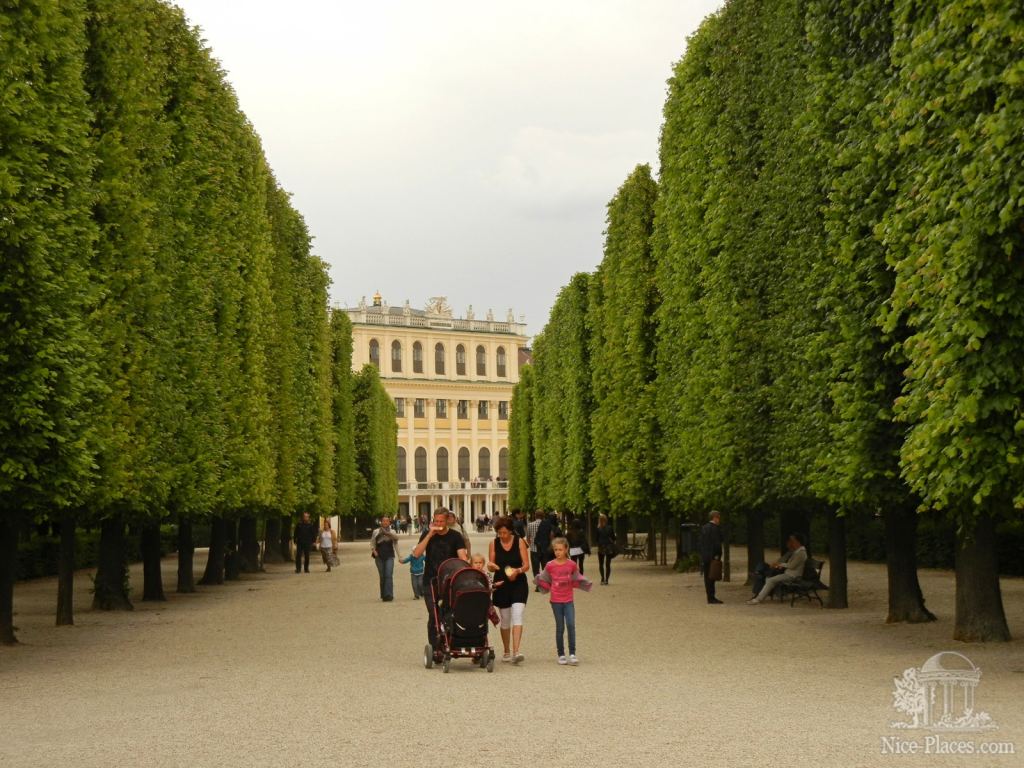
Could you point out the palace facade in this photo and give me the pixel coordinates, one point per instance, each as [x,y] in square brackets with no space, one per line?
[451,379]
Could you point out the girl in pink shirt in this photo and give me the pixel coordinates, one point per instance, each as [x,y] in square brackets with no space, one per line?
[560,577]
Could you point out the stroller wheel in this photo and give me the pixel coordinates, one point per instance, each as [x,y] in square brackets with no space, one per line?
[490,664]
[446,665]
[428,657]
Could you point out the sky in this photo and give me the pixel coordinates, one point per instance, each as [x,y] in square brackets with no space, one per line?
[453,148]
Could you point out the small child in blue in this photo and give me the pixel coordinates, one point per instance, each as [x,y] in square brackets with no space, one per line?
[416,565]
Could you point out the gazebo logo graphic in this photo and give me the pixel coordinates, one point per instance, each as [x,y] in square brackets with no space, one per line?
[939,696]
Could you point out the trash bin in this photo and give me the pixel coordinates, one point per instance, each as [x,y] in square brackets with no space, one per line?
[686,542]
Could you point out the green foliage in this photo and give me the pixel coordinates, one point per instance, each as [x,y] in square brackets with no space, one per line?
[623,298]
[48,371]
[563,402]
[955,244]
[375,490]
[343,414]
[522,489]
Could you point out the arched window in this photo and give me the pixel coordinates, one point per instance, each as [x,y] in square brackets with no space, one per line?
[396,356]
[481,361]
[417,358]
[503,464]
[402,477]
[500,361]
[485,463]
[375,352]
[464,464]
[442,465]
[421,465]
[460,360]
[439,359]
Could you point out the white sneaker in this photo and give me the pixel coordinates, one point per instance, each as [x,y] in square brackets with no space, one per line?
[753,601]
[506,658]
[518,658]
[573,661]
[562,660]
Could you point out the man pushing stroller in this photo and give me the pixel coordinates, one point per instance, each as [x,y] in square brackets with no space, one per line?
[440,543]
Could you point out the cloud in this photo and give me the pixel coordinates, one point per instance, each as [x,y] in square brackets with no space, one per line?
[548,172]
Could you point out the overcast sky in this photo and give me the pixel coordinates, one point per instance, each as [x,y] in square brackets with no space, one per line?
[464,149]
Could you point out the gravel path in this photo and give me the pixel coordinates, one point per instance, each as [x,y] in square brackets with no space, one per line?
[313,670]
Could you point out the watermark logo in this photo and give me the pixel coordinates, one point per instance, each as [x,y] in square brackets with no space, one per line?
[940,697]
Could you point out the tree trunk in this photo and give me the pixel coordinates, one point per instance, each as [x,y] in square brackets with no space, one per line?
[214,573]
[285,543]
[186,556]
[652,539]
[906,601]
[232,564]
[272,539]
[66,571]
[726,547]
[110,586]
[837,591]
[8,562]
[979,603]
[248,545]
[664,537]
[755,541]
[152,578]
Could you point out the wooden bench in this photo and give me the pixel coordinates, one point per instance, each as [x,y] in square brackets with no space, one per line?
[807,586]
[636,545]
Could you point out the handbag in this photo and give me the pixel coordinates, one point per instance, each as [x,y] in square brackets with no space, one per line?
[612,550]
[333,560]
[715,570]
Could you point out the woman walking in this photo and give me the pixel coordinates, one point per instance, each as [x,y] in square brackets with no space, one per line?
[578,546]
[606,547]
[328,545]
[509,560]
[384,550]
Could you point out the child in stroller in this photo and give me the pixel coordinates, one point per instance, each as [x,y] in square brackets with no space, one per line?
[462,610]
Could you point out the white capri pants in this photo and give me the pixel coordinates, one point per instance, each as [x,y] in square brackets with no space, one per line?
[512,616]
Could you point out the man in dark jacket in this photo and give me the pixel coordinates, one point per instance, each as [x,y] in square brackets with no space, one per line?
[710,550]
[305,535]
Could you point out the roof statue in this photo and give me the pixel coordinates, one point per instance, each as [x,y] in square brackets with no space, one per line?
[438,305]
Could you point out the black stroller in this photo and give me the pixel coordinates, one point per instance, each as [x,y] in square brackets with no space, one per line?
[461,612]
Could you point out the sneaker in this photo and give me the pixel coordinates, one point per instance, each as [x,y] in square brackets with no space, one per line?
[518,658]
[507,658]
[753,601]
[573,661]
[714,601]
[562,660]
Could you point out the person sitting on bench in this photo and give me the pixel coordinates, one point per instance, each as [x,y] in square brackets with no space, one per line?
[790,568]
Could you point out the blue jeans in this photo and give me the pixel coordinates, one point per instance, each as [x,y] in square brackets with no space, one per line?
[386,570]
[417,585]
[565,617]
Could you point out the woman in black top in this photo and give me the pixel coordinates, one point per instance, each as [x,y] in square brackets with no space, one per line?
[509,560]
[605,544]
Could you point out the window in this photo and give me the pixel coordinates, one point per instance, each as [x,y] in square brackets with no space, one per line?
[402,477]
[441,408]
[421,465]
[485,463]
[481,361]
[442,465]
[503,464]
[439,359]
[419,408]
[464,464]
[375,352]
[400,407]
[396,356]
[503,410]
[481,409]
[417,358]
[460,360]
[463,409]
[500,361]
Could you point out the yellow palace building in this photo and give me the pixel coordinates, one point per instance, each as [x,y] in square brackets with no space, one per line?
[451,379]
